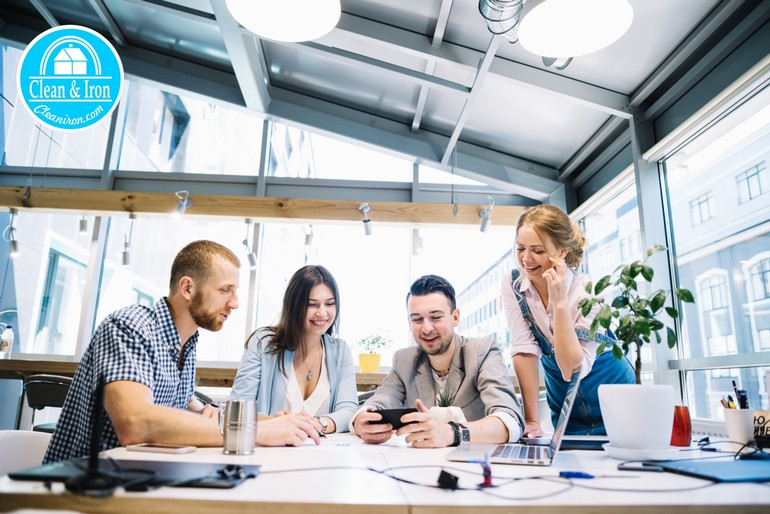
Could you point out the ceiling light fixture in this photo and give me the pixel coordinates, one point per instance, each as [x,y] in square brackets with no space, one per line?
[569,28]
[184,203]
[83,225]
[300,20]
[365,210]
[309,236]
[417,242]
[9,234]
[126,258]
[502,17]
[486,215]
[249,253]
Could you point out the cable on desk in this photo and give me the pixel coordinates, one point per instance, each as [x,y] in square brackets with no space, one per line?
[622,490]
[549,478]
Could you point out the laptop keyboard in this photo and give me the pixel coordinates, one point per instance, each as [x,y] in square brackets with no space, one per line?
[517,452]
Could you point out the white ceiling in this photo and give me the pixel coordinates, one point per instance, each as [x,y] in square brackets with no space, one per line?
[415,78]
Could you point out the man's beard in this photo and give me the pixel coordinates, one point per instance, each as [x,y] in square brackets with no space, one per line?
[203,318]
[441,349]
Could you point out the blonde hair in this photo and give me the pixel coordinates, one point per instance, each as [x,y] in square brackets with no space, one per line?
[550,222]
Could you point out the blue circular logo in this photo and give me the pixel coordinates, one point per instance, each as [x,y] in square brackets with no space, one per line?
[70,78]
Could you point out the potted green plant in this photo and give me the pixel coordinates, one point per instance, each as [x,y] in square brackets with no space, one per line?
[369,358]
[635,416]
[632,316]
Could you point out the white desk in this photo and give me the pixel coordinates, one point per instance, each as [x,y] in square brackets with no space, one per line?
[319,485]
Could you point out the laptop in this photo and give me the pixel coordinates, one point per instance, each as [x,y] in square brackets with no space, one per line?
[522,453]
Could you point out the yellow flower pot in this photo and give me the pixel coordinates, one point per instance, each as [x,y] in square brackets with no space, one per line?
[369,362]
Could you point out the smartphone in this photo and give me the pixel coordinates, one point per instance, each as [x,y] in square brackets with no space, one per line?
[393,416]
[160,448]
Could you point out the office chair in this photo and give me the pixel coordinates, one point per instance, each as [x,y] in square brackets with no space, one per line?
[45,391]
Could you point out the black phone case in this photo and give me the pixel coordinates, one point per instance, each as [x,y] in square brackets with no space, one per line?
[393,416]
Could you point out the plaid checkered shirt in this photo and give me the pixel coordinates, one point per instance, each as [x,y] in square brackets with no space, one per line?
[136,343]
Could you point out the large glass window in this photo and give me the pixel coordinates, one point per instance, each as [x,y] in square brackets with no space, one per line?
[166,132]
[45,284]
[724,262]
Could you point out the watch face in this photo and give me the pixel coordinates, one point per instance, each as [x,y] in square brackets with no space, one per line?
[324,423]
[465,434]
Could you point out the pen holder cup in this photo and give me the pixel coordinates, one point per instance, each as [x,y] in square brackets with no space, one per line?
[746,425]
[238,426]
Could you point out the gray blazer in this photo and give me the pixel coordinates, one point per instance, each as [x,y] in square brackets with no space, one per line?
[477,374]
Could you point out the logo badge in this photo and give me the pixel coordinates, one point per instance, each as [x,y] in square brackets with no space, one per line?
[70,78]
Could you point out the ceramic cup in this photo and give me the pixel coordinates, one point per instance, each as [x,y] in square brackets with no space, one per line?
[638,416]
[740,426]
[238,425]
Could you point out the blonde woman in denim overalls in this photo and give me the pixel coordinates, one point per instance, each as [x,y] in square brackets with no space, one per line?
[547,328]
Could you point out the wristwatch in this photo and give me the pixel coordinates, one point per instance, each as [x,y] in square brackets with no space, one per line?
[324,424]
[461,433]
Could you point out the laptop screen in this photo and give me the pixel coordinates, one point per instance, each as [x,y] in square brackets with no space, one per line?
[566,409]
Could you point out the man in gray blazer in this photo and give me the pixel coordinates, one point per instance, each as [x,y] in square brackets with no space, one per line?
[444,369]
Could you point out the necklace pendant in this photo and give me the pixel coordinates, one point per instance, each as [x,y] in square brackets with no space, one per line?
[310,375]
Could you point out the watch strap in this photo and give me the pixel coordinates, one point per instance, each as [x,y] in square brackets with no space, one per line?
[456,431]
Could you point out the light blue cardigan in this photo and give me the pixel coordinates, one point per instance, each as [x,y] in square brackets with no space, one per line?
[260,378]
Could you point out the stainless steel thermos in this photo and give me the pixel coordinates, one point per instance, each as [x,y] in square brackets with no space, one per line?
[238,425]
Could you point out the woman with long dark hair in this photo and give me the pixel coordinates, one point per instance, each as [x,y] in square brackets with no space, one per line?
[299,365]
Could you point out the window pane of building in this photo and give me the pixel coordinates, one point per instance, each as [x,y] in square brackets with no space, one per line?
[25,142]
[166,132]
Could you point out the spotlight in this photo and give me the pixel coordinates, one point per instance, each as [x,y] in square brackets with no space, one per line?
[309,236]
[9,234]
[365,210]
[126,259]
[416,241]
[250,254]
[83,225]
[184,203]
[486,215]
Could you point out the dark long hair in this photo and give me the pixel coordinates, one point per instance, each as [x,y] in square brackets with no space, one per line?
[287,334]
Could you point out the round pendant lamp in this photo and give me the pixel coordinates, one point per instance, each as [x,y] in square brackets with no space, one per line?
[294,21]
[569,28]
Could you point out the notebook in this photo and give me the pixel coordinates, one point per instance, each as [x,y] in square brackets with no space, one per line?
[523,453]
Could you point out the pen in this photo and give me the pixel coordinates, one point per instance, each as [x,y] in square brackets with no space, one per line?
[730,402]
[735,388]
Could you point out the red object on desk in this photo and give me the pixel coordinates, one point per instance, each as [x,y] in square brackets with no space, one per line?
[681,434]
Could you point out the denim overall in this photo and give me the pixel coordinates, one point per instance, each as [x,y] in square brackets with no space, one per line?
[586,417]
